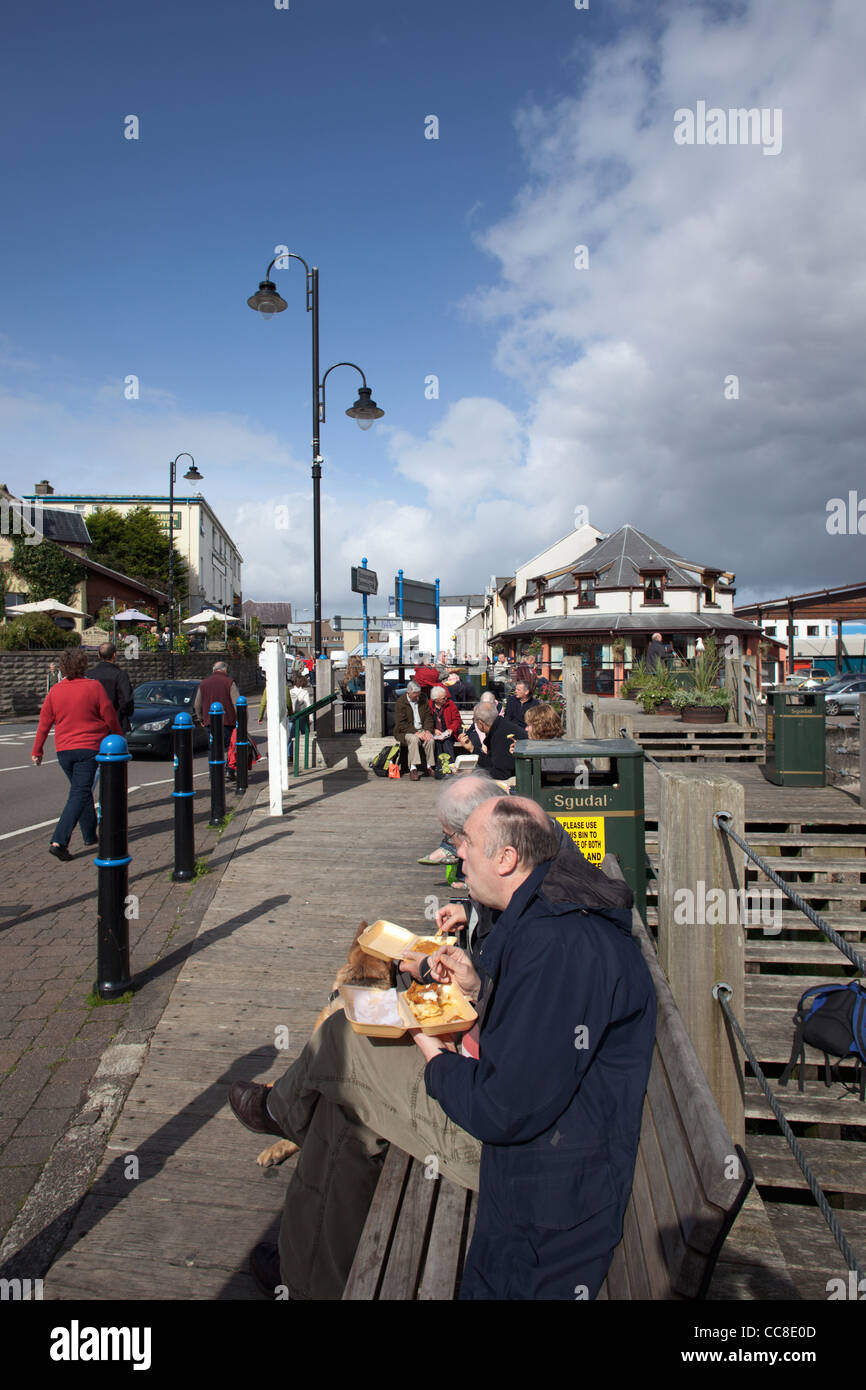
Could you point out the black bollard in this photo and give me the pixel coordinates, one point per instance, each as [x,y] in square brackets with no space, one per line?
[112,941]
[184,828]
[217,765]
[242,747]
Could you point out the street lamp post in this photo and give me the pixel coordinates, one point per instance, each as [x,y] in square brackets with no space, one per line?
[267,302]
[192,475]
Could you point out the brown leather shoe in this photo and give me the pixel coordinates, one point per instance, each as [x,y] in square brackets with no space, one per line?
[265,1267]
[414,775]
[247,1100]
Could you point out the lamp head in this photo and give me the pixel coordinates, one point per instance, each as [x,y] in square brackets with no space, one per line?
[266,300]
[192,474]
[365,409]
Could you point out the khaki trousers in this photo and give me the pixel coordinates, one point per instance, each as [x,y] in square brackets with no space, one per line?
[344,1100]
[414,746]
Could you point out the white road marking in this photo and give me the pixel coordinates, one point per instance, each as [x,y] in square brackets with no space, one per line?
[10,834]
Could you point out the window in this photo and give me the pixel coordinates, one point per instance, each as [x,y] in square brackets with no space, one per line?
[770,631]
[813,630]
[586,591]
[653,586]
[708,585]
[539,595]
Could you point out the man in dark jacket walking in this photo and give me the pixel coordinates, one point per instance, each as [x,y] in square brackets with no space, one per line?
[115,682]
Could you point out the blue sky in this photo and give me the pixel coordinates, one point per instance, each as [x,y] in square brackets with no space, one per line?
[455,257]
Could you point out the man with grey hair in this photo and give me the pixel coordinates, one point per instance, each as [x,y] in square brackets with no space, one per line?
[218,687]
[493,741]
[115,681]
[413,727]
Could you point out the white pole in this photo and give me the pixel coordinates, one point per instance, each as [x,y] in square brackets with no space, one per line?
[273,664]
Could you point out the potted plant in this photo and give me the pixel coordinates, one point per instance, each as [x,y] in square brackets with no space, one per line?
[704,701]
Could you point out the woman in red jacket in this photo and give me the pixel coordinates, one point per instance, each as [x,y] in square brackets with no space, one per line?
[83,716]
[447,725]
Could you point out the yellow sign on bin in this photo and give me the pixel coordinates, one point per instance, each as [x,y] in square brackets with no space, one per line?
[587,833]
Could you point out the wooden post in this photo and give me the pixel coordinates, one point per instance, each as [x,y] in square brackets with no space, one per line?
[572,690]
[375,696]
[700,937]
[324,718]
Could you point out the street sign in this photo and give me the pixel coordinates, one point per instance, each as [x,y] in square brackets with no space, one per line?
[387,624]
[364,581]
[340,623]
[419,600]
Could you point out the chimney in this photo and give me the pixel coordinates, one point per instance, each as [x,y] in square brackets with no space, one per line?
[44,489]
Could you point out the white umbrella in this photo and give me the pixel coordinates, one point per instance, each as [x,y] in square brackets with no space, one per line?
[132,615]
[47,605]
[207,615]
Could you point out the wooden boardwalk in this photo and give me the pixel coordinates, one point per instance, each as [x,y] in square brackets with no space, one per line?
[180,1220]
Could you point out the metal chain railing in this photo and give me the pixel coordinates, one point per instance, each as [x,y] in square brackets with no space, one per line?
[624,733]
[721,993]
[722,821]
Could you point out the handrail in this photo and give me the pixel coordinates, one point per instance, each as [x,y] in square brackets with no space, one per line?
[295,718]
[721,993]
[721,821]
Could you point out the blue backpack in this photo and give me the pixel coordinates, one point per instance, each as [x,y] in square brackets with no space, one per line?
[834,1023]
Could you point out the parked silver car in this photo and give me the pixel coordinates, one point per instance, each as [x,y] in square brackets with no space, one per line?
[847,699]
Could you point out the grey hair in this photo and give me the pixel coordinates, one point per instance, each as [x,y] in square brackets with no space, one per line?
[437,691]
[484,713]
[220,666]
[413,685]
[463,795]
[487,698]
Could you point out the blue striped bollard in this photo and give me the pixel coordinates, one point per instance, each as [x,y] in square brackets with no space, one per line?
[184,828]
[242,747]
[112,939]
[217,765]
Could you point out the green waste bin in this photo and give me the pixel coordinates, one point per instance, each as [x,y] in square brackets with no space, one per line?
[796,739]
[604,816]
[477,678]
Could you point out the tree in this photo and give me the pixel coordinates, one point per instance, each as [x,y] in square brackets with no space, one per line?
[47,570]
[137,545]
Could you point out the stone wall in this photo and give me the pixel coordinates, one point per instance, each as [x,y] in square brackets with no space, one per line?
[843,752]
[24,675]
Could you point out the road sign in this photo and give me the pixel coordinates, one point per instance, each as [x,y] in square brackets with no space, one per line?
[364,581]
[419,600]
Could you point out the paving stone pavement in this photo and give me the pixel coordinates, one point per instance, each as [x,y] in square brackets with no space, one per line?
[52,1038]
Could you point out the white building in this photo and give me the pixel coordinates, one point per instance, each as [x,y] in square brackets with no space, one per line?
[213,560]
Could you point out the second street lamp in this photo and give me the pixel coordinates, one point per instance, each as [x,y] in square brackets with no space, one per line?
[192,475]
[267,302]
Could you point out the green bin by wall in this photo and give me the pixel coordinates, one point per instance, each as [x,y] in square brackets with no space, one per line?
[605,817]
[796,739]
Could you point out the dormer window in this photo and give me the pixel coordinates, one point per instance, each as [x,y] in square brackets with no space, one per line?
[586,590]
[653,586]
[709,580]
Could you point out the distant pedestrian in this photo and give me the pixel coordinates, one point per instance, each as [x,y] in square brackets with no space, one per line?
[220,688]
[116,683]
[656,653]
[82,716]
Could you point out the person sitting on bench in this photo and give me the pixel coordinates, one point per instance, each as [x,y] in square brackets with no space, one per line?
[413,727]
[541,1110]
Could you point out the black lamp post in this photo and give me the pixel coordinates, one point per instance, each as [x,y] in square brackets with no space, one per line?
[193,476]
[267,302]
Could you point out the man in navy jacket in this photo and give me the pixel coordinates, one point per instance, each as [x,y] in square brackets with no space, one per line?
[567,1009]
[550,1102]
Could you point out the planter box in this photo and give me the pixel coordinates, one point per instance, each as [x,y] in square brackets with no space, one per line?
[705,714]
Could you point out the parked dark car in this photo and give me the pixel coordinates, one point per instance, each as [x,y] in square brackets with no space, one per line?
[156,704]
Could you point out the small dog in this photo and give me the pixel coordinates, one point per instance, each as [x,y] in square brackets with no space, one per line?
[360,969]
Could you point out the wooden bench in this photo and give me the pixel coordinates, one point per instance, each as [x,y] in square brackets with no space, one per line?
[682,1204]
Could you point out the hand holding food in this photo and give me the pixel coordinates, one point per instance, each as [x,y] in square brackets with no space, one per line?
[450,917]
[453,964]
